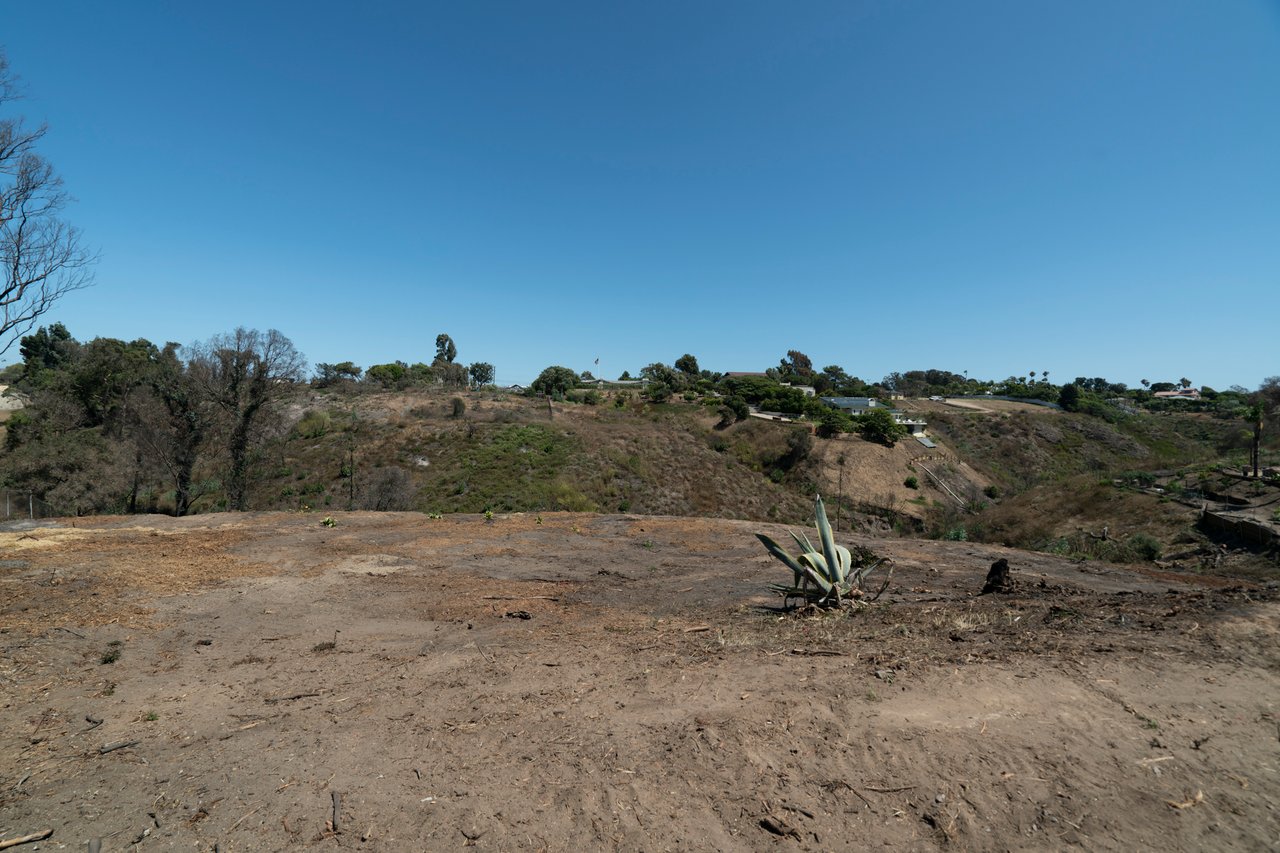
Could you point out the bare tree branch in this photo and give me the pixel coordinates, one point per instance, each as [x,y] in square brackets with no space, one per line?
[43,256]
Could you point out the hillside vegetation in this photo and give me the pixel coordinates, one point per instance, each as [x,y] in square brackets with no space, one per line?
[506,453]
[1104,472]
[1081,486]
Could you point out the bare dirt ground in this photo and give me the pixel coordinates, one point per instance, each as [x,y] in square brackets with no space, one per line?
[613,682]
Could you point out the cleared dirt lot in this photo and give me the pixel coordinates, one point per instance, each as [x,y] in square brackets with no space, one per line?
[613,682]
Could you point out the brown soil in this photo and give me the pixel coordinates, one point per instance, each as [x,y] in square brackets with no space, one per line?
[614,682]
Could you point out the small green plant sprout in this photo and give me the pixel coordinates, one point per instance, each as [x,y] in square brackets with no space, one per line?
[826,576]
[112,654]
[328,521]
[488,515]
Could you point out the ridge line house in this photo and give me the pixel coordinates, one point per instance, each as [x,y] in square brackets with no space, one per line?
[861,405]
[1178,394]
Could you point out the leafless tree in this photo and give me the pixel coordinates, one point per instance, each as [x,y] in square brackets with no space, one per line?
[174,426]
[242,373]
[43,255]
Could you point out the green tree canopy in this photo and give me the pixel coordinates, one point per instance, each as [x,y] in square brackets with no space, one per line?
[1069,397]
[796,367]
[332,374]
[555,381]
[481,373]
[389,375]
[446,352]
[878,425]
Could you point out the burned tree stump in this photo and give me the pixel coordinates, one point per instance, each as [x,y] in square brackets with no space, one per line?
[998,578]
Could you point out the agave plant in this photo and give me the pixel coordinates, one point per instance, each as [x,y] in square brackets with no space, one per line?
[825,576]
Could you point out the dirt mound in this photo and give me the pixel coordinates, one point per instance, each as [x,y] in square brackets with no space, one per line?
[614,682]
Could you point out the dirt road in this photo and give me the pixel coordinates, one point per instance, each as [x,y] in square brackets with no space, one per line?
[260,682]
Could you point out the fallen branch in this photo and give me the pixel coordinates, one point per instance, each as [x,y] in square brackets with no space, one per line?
[697,629]
[26,839]
[519,597]
[1187,803]
[246,815]
[112,747]
[827,653]
[777,826]
[290,697]
[230,734]
[889,790]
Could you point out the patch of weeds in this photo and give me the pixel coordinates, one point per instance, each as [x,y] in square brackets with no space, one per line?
[245,660]
[1057,612]
[328,521]
[151,717]
[872,696]
[112,654]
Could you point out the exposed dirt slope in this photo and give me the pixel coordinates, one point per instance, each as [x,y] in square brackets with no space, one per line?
[614,682]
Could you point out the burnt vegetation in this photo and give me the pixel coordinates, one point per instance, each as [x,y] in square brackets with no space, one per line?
[234,423]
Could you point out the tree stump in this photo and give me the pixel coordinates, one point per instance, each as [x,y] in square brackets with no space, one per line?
[998,578]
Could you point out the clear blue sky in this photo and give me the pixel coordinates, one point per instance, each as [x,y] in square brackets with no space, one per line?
[1089,188]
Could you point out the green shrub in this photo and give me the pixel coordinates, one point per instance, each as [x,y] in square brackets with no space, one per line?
[312,425]
[457,407]
[1144,546]
[658,392]
[911,482]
